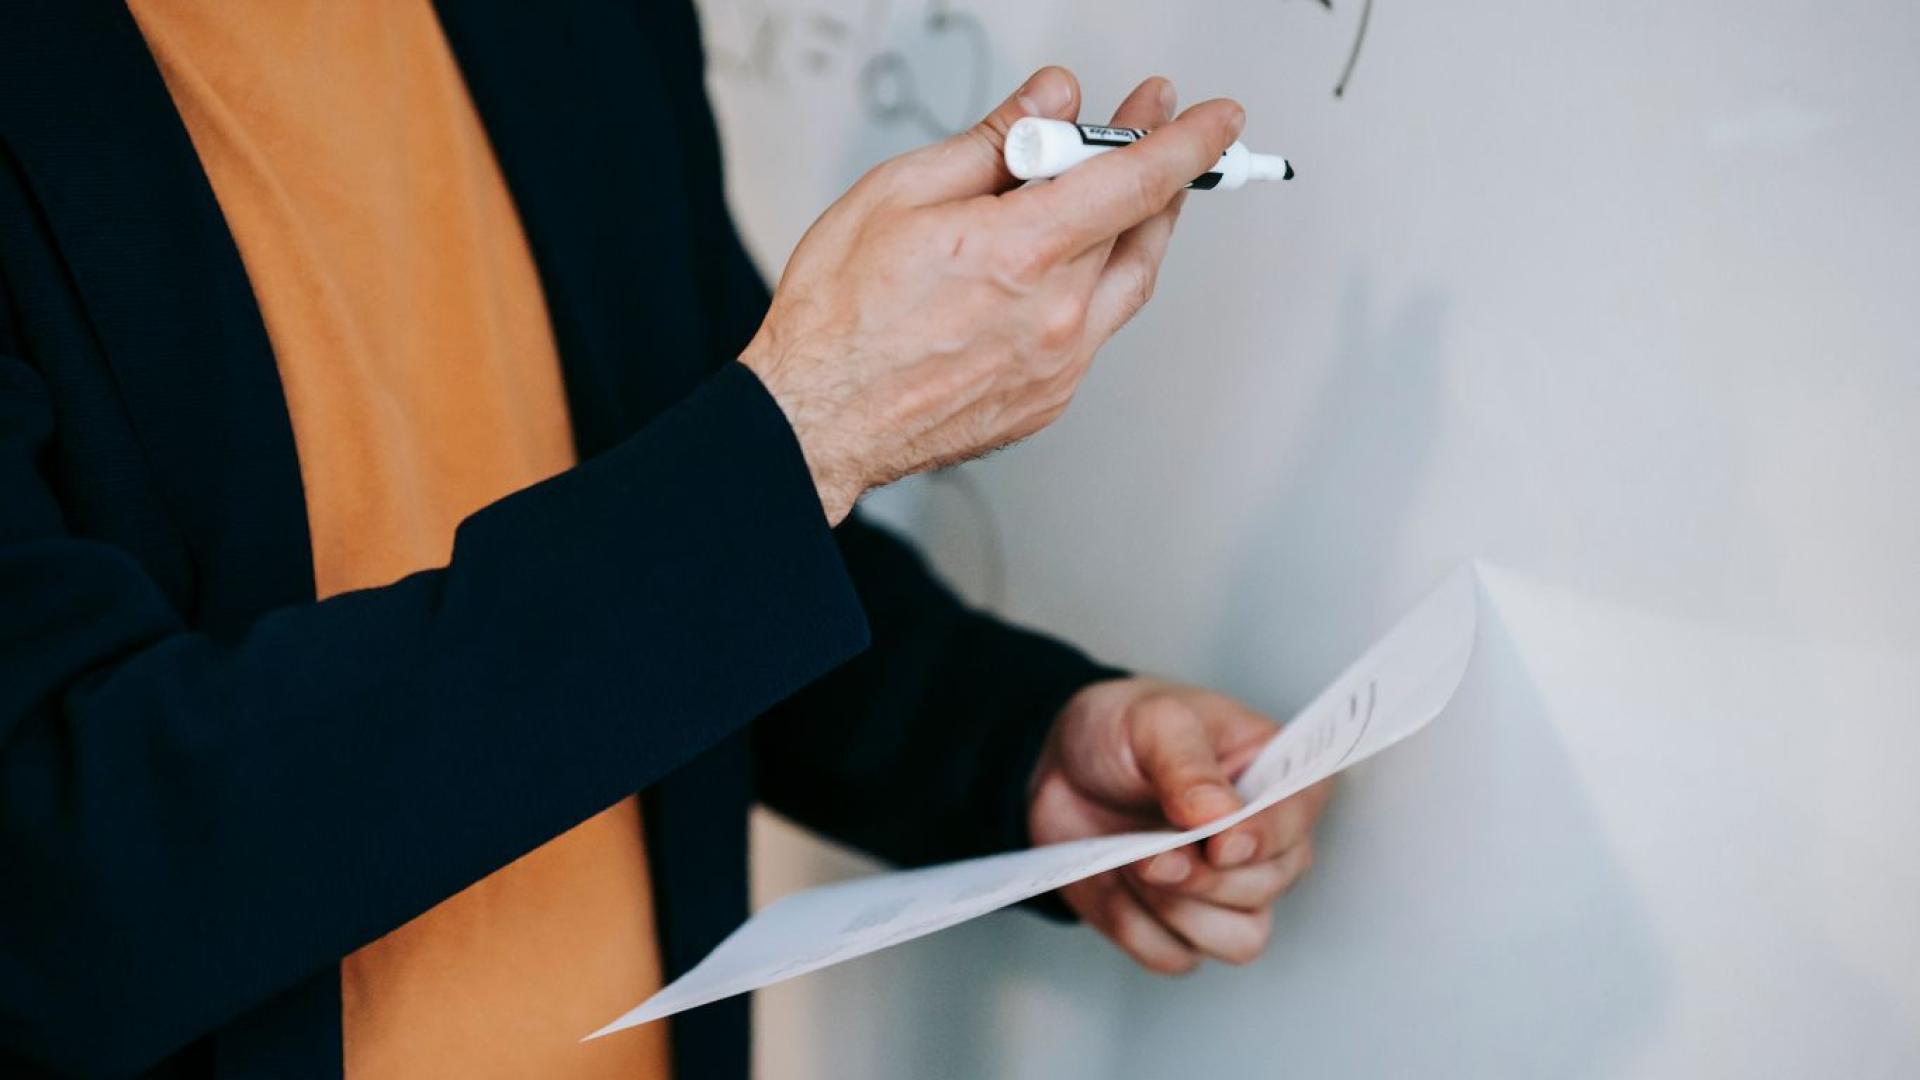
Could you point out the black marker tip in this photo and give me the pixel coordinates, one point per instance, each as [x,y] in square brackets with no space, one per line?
[1288,175]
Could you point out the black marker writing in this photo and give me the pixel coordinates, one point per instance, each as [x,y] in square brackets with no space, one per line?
[768,43]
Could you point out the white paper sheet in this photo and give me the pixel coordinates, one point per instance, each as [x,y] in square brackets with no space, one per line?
[1393,690]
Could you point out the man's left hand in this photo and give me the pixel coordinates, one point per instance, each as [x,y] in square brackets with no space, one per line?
[1130,754]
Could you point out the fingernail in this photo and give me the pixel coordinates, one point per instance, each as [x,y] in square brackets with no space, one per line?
[1045,94]
[1168,868]
[1239,121]
[1169,98]
[1210,800]
[1236,850]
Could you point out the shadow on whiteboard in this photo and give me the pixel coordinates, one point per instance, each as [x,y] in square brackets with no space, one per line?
[1341,507]
[1466,918]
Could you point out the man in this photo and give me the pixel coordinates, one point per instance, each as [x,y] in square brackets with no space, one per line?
[415,542]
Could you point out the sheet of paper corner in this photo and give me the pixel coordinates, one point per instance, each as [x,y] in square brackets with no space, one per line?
[1403,681]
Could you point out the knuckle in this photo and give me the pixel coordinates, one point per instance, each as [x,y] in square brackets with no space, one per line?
[988,138]
[1026,260]
[1047,227]
[1136,284]
[1148,192]
[1133,930]
[1066,381]
[1160,956]
[1049,399]
[1141,285]
[1273,884]
[1249,940]
[1290,872]
[1062,324]
[877,181]
[1045,416]
[1132,936]
[1162,713]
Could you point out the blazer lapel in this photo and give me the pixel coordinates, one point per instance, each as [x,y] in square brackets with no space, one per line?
[580,115]
[84,110]
[570,96]
[572,99]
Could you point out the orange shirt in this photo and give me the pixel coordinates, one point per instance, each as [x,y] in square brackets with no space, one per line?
[422,381]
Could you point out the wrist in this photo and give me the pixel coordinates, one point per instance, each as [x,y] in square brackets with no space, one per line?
[831,460]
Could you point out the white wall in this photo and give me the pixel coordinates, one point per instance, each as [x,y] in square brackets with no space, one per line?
[1625,298]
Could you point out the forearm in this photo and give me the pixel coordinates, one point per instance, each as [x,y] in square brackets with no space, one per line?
[920,750]
[188,826]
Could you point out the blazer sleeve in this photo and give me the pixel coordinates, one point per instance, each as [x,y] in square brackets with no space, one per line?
[188,826]
[920,750]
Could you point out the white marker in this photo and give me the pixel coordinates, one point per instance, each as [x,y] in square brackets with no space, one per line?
[1038,147]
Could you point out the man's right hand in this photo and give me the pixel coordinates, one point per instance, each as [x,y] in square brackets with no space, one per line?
[935,313]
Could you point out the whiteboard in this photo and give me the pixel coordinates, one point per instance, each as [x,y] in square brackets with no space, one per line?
[1622,298]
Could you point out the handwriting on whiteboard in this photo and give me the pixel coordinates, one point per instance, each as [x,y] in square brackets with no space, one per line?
[885,45]
[1353,53]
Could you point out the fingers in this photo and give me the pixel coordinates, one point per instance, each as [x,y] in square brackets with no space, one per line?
[1116,191]
[1224,933]
[974,162]
[1120,292]
[1186,747]
[1278,829]
[1167,928]
[1224,914]
[1248,888]
[1132,272]
[1267,834]
[1149,106]
[1175,753]
[1110,906]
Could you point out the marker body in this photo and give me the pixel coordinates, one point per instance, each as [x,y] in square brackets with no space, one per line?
[1038,148]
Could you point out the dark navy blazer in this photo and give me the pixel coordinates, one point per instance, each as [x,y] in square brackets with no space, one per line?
[212,787]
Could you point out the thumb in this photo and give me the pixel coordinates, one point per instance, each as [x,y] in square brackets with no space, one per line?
[974,161]
[1175,752]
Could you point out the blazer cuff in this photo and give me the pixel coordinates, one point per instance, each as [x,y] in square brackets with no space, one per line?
[1051,673]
